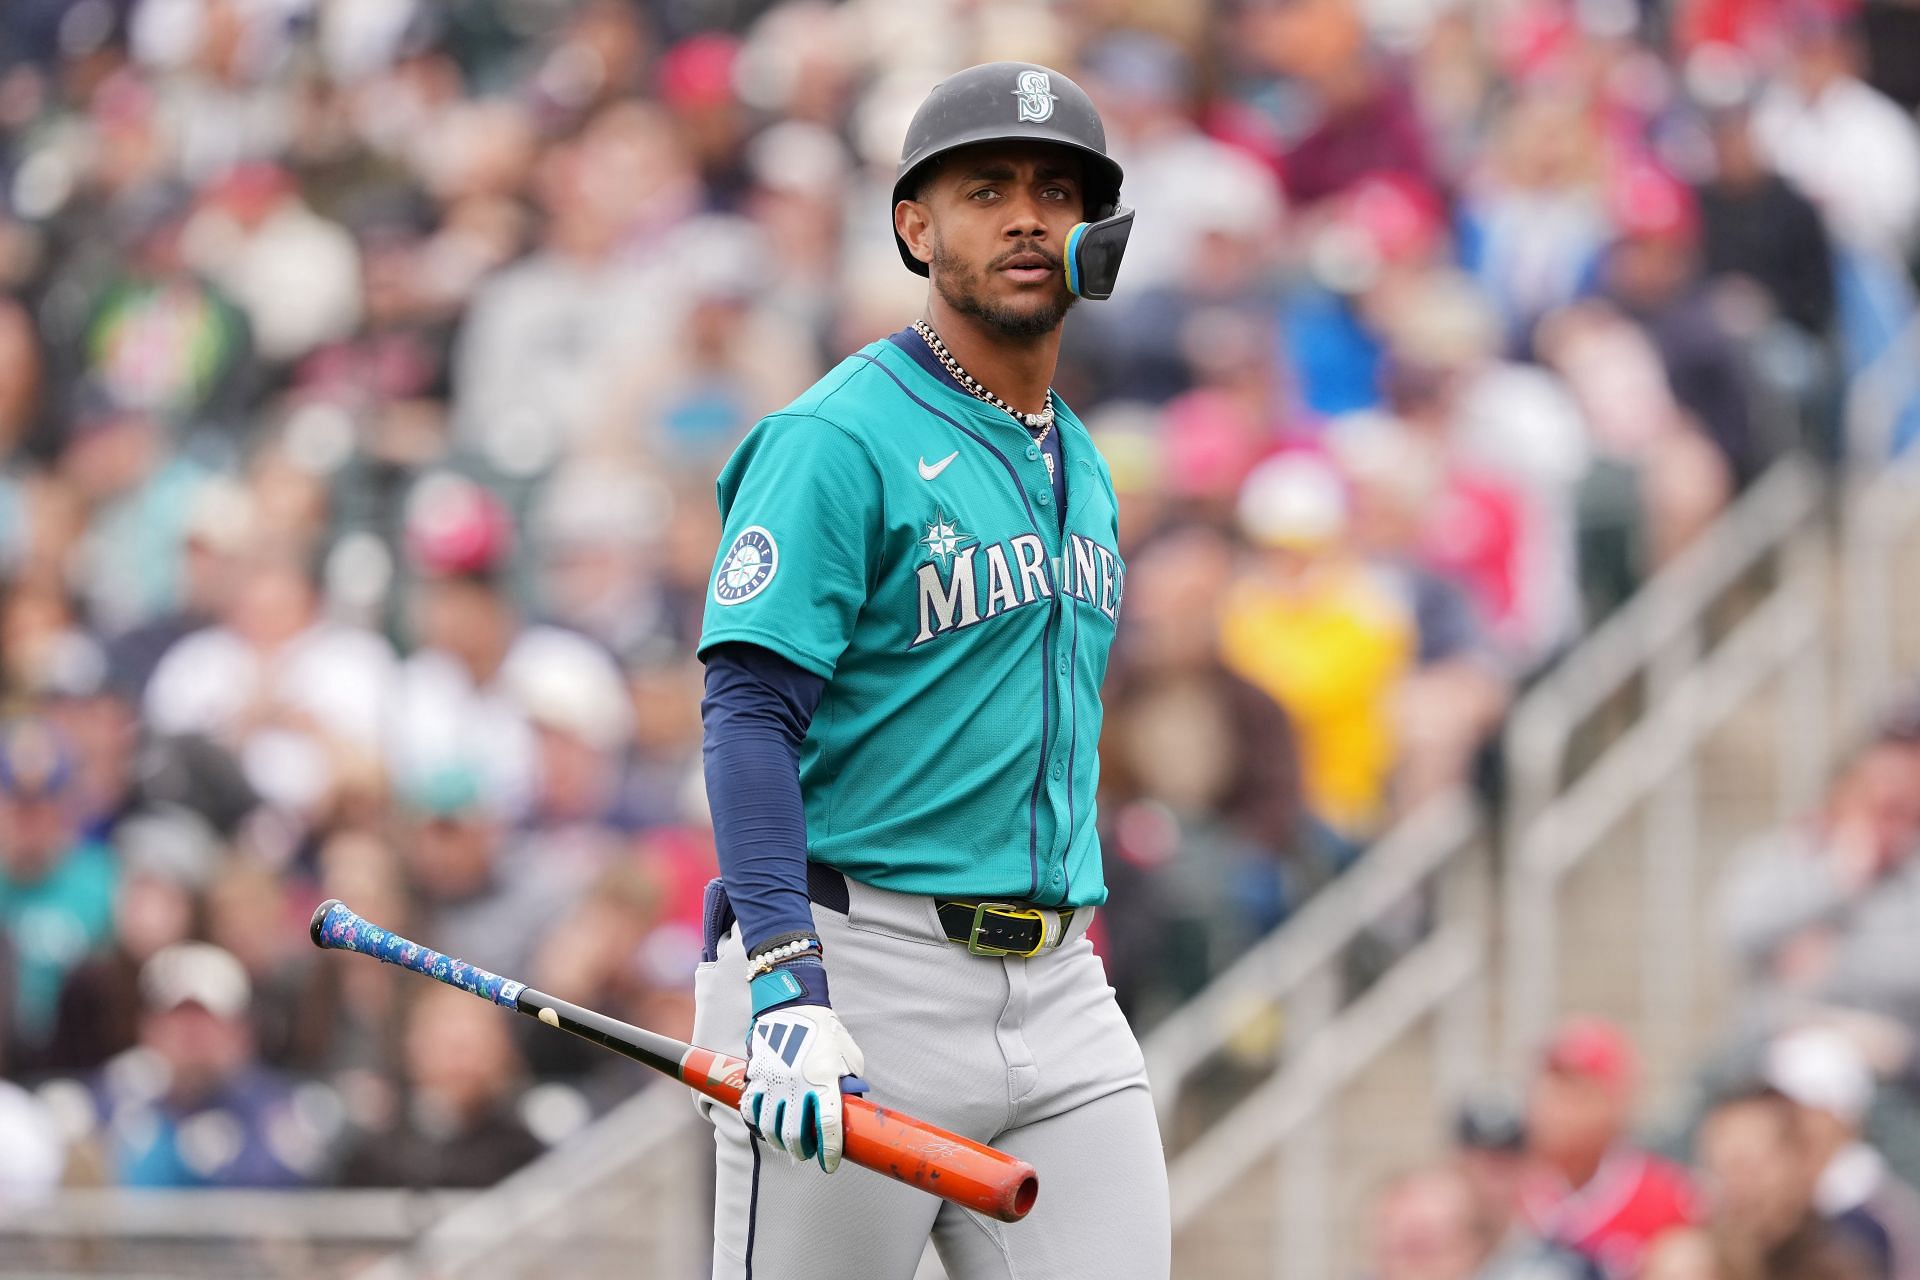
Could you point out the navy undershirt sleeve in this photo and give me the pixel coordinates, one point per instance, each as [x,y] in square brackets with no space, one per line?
[756,712]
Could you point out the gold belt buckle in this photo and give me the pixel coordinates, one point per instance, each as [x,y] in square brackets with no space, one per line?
[980,910]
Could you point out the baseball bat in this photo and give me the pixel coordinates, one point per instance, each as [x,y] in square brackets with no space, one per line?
[970,1174]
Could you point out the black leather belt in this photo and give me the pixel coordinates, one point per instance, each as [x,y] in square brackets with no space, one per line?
[1003,928]
[984,928]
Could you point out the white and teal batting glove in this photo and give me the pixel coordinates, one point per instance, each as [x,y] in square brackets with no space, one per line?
[797,1052]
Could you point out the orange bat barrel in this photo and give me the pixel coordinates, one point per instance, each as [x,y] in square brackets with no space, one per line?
[971,1174]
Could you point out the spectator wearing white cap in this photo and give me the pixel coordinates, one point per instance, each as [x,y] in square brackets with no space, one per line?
[582,720]
[167,855]
[190,1106]
[1823,1074]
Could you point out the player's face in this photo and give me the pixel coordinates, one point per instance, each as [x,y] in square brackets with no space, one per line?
[997,224]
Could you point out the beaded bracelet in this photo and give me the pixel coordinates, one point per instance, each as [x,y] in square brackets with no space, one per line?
[766,960]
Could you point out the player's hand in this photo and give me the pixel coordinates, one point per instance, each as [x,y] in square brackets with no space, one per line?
[795,1058]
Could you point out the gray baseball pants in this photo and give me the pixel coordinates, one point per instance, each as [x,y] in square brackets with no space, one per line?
[1031,1056]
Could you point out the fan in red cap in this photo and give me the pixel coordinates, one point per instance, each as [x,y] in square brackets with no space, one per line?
[455,528]
[1648,203]
[1593,1190]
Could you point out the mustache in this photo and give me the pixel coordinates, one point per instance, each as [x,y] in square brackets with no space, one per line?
[1052,260]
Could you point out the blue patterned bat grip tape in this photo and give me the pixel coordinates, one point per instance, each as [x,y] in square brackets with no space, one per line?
[336,927]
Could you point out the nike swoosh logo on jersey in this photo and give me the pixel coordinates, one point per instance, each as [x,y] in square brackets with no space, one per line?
[930,472]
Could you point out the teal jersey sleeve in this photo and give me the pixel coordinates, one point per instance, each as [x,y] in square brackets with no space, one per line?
[800,505]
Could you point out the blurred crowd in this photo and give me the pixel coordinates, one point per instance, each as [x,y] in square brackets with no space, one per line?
[365,367]
[1800,1152]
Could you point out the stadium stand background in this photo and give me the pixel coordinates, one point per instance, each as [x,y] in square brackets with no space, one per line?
[364,368]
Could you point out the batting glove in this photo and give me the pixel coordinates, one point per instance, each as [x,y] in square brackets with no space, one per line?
[796,1056]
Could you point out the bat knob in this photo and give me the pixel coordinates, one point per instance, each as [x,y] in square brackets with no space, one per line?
[853,1084]
[320,914]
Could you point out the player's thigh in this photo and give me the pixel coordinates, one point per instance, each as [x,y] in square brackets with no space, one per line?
[775,1219]
[1103,1207]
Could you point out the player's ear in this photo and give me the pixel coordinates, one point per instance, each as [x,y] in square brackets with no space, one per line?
[914,223]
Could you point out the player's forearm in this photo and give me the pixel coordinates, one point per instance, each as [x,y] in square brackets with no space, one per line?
[756,711]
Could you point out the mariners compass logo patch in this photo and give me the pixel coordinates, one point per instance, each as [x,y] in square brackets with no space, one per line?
[944,537]
[1035,92]
[748,567]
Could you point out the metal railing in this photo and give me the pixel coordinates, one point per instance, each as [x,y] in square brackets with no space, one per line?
[629,1196]
[214,1233]
[1306,951]
[1659,644]
[1878,397]
[1655,652]
[1882,515]
[1330,1032]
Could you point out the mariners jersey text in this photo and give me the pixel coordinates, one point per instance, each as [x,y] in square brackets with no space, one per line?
[982,583]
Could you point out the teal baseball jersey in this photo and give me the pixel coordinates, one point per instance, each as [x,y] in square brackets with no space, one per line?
[900,538]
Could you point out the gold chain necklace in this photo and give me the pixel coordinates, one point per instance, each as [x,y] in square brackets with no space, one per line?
[1041,422]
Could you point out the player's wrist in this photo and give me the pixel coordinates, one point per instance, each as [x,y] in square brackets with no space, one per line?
[800,981]
[770,958]
[782,943]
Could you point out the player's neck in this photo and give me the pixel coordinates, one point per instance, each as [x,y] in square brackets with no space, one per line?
[1018,370]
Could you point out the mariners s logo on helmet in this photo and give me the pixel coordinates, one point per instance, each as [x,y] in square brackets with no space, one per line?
[748,567]
[1035,93]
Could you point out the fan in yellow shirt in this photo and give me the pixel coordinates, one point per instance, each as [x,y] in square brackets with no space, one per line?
[1314,627]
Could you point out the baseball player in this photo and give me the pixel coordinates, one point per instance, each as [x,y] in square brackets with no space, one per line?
[908,625]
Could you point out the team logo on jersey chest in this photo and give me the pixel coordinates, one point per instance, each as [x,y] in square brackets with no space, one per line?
[747,568]
[944,537]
